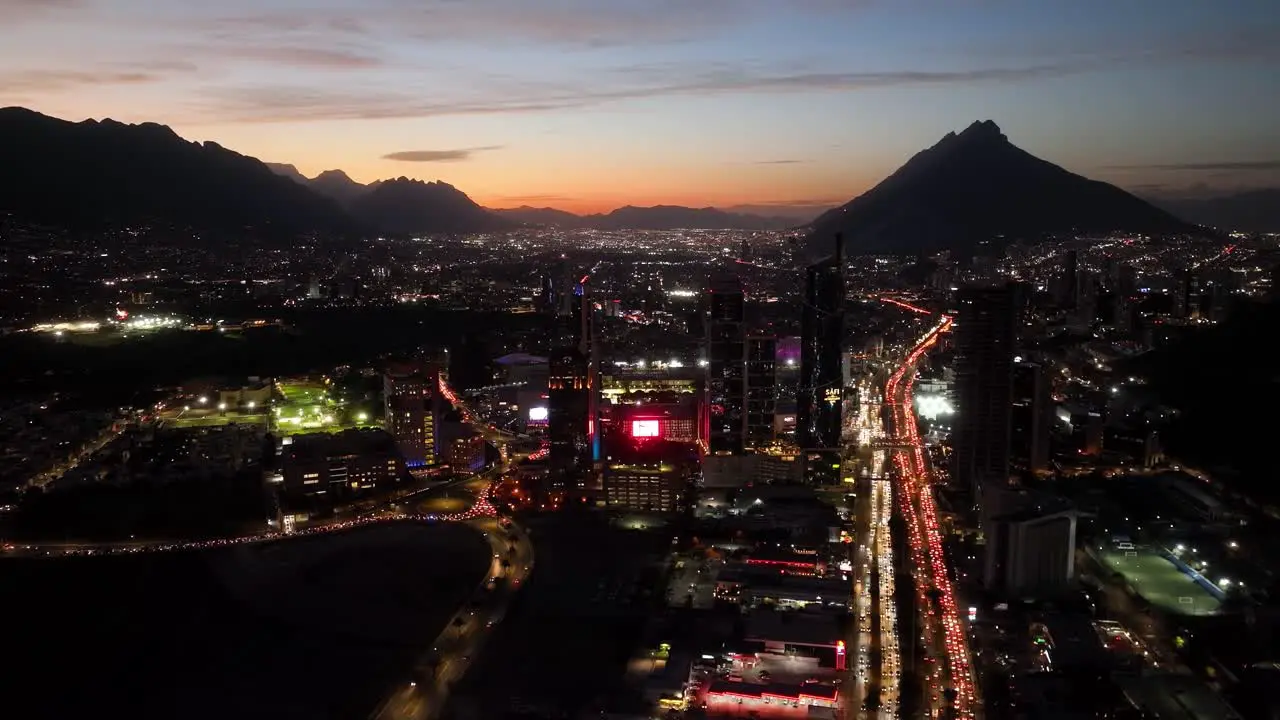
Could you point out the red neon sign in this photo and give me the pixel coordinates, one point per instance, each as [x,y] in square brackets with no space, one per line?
[645,428]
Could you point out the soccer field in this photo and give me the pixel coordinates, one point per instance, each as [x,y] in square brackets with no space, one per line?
[1160,582]
[308,406]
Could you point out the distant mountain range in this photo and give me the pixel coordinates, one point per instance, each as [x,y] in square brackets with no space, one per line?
[658,217]
[393,207]
[967,189]
[1249,211]
[977,187]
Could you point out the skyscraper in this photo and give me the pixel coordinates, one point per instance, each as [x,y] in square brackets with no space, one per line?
[726,366]
[985,335]
[1031,416]
[819,401]
[761,389]
[411,406]
[571,390]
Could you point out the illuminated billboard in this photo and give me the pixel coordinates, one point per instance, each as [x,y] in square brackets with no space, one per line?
[537,414]
[644,428]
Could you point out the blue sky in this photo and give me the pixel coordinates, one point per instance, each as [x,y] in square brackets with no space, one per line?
[590,105]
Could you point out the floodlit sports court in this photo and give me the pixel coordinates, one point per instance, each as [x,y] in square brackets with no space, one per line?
[1160,582]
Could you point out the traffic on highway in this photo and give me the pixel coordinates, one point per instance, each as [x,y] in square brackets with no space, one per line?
[942,633]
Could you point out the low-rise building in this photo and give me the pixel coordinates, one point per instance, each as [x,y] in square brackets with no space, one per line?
[331,467]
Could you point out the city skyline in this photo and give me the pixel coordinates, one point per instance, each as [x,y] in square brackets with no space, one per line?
[590,106]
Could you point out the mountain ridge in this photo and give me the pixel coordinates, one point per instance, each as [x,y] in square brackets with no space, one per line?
[1256,211]
[145,174]
[976,187]
[655,217]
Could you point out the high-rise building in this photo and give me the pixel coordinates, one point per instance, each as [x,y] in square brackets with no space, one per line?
[726,366]
[571,395]
[985,335]
[1029,550]
[1067,281]
[1031,417]
[761,389]
[412,405]
[819,401]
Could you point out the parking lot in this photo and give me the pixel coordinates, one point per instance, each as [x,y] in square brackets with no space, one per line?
[693,582]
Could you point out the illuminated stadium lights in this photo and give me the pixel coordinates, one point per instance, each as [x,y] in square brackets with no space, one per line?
[933,406]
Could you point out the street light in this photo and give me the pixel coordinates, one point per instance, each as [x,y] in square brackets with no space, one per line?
[203,400]
[222,406]
[251,404]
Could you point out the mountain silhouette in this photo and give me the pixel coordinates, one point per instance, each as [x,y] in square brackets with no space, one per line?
[339,186]
[544,217]
[977,187]
[412,207]
[1249,211]
[288,171]
[658,217]
[96,174]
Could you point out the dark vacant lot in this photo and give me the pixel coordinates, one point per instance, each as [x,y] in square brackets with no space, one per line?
[566,639]
[316,628]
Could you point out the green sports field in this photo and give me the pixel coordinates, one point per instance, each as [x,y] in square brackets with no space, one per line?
[308,406]
[1160,582]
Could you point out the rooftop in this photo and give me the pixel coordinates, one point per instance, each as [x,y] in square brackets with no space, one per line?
[798,628]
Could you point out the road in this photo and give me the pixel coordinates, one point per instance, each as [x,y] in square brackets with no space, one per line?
[423,694]
[381,511]
[86,451]
[879,639]
[943,635]
[481,507]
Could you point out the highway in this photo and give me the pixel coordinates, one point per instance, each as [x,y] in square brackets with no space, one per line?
[877,644]
[425,690]
[942,633]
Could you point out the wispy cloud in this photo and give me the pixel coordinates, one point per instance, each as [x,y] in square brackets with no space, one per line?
[298,56]
[585,23]
[779,162]
[62,80]
[15,11]
[1226,166]
[456,155]
[53,80]
[579,24]
[294,103]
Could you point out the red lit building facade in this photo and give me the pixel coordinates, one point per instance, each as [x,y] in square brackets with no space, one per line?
[726,697]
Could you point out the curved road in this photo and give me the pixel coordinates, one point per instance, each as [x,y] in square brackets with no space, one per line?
[425,691]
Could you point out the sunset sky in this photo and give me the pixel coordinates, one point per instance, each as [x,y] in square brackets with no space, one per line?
[591,104]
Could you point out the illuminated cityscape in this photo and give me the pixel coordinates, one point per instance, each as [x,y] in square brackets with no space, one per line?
[742,375]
